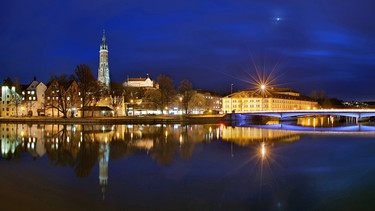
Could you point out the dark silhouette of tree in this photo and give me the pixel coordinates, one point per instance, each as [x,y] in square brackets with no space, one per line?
[187,92]
[61,94]
[197,102]
[164,147]
[324,101]
[167,90]
[87,157]
[116,96]
[153,97]
[187,146]
[90,89]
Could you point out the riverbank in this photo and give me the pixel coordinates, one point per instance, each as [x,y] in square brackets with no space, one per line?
[152,119]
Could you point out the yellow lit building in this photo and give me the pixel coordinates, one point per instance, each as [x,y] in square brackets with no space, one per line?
[274,99]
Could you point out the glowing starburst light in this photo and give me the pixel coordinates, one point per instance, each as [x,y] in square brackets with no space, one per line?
[264,79]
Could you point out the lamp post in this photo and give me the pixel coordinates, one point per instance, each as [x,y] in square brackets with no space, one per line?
[262,87]
[181,105]
[231,100]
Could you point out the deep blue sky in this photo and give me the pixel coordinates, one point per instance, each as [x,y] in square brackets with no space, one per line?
[315,45]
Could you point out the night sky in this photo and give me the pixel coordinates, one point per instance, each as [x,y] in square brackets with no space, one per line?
[306,45]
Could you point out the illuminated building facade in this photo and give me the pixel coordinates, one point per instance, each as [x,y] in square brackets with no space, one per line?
[139,82]
[58,96]
[9,99]
[33,103]
[274,99]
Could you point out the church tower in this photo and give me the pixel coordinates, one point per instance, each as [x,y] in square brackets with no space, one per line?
[103,71]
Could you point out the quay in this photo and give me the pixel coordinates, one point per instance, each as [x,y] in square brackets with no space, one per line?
[192,119]
[148,119]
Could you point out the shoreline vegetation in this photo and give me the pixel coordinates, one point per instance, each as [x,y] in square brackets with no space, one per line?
[151,119]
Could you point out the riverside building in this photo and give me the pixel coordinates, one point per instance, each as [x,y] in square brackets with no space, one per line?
[273,99]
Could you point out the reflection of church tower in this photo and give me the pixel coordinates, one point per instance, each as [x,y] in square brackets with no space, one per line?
[103,165]
[103,71]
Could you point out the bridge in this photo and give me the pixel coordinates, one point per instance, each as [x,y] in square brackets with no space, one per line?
[355,113]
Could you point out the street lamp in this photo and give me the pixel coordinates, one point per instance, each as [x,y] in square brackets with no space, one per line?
[263,88]
[231,91]
[181,105]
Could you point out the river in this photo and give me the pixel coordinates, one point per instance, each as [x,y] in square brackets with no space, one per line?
[305,165]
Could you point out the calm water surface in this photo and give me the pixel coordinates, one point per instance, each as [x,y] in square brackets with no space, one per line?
[309,166]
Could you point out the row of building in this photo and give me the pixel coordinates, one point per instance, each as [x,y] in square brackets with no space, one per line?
[39,99]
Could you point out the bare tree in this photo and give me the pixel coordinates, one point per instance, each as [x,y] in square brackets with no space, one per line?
[64,91]
[167,90]
[187,92]
[90,89]
[60,94]
[116,96]
[198,102]
[153,97]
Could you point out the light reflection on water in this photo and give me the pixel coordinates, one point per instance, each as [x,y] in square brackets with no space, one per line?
[280,166]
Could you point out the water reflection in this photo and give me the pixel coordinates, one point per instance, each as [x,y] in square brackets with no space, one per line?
[84,147]
[81,147]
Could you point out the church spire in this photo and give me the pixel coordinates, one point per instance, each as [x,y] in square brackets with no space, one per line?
[103,46]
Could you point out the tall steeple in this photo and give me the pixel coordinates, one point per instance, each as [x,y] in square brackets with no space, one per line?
[103,71]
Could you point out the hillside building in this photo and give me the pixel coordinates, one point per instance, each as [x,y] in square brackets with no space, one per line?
[139,82]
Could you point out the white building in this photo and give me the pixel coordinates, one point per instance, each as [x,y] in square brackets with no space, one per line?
[275,99]
[139,82]
[10,100]
[33,102]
